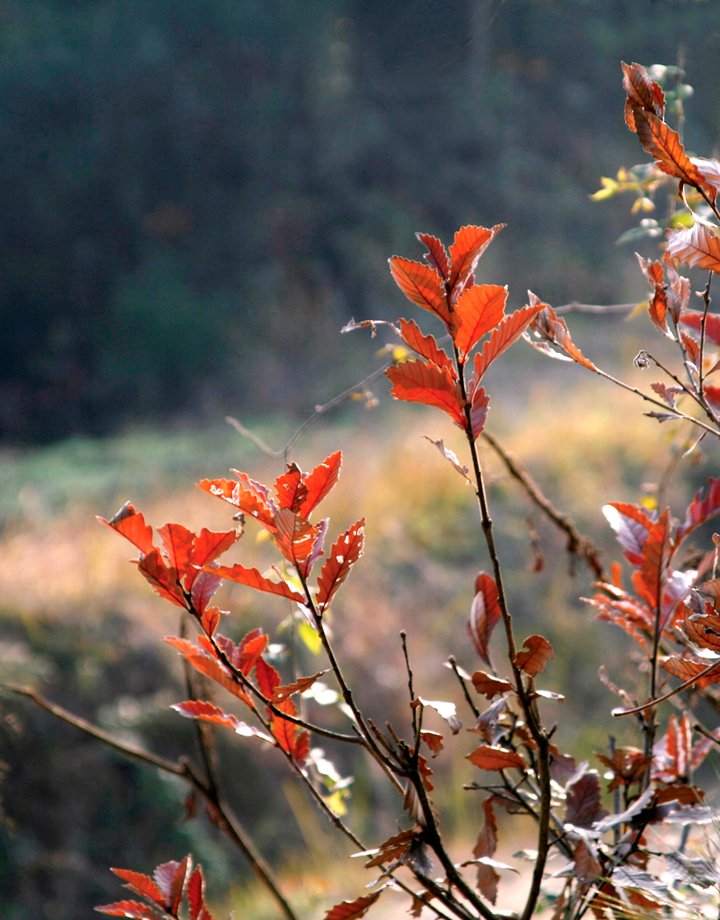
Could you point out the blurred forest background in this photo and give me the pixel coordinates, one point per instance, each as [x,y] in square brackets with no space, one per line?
[195,198]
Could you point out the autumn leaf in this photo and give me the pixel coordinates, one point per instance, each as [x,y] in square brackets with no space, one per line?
[664,144]
[353,910]
[209,712]
[631,524]
[479,409]
[642,93]
[319,481]
[550,335]
[477,311]
[505,334]
[656,552]
[492,757]
[583,803]
[489,685]
[469,244]
[208,664]
[436,256]
[290,488]
[486,844]
[534,656]
[434,740]
[253,579]
[344,553]
[696,246]
[170,877]
[178,542]
[422,285]
[484,614]
[298,540]
[280,694]
[424,345]
[142,885]
[419,381]
[291,738]
[393,849]
[135,910]
[130,524]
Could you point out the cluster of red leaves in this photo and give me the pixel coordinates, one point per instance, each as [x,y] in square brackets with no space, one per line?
[444,285]
[173,885]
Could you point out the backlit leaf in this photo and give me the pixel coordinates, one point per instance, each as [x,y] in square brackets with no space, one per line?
[697,246]
[477,311]
[280,694]
[344,553]
[130,524]
[550,335]
[206,663]
[209,712]
[631,524]
[485,846]
[664,144]
[352,910]
[290,488]
[178,543]
[135,910]
[170,877]
[421,284]
[434,740]
[469,244]
[294,740]
[509,330]
[534,656]
[450,456]
[642,93]
[163,578]
[142,885]
[419,381]
[484,614]
[319,481]
[253,579]
[583,803]
[489,685]
[424,345]
[392,849]
[479,408]
[298,540]
[657,549]
[492,757]
[445,709]
[704,505]
[436,256]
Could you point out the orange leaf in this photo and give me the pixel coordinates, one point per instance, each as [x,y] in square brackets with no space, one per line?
[297,539]
[424,345]
[664,144]
[418,381]
[132,909]
[280,694]
[505,334]
[352,910]
[642,92]
[468,246]
[163,579]
[491,757]
[290,488]
[478,310]
[344,553]
[547,330]
[487,877]
[253,579]
[319,481]
[393,849]
[130,524]
[434,740]
[436,256]
[208,664]
[534,655]
[695,246]
[420,284]
[209,712]
[488,685]
[178,543]
[291,738]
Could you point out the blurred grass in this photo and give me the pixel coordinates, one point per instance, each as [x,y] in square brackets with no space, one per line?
[584,444]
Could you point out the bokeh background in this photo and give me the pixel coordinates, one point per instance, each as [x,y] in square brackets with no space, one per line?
[195,198]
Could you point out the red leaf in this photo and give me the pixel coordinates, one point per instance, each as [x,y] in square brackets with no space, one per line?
[290,489]
[479,409]
[130,524]
[657,550]
[658,306]
[664,144]
[209,712]
[424,345]
[163,578]
[551,336]
[468,246]
[208,546]
[291,738]
[196,896]
[434,740]
[142,885]
[506,334]
[418,381]
[178,543]
[587,865]
[642,93]
[422,285]
[477,311]
[695,246]
[687,668]
[298,540]
[631,524]
[393,849]
[352,910]
[489,685]
[436,257]
[280,694]
[170,877]
[583,803]
[486,844]
[319,481]
[267,678]
[534,655]
[491,757]
[133,909]
[253,579]
[207,664]
[484,614]
[704,505]
[344,553]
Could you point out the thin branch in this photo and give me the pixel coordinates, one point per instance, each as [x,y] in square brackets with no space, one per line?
[577,544]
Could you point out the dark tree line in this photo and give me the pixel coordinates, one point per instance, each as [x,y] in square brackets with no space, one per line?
[186,184]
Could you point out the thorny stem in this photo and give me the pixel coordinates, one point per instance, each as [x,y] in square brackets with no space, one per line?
[184,769]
